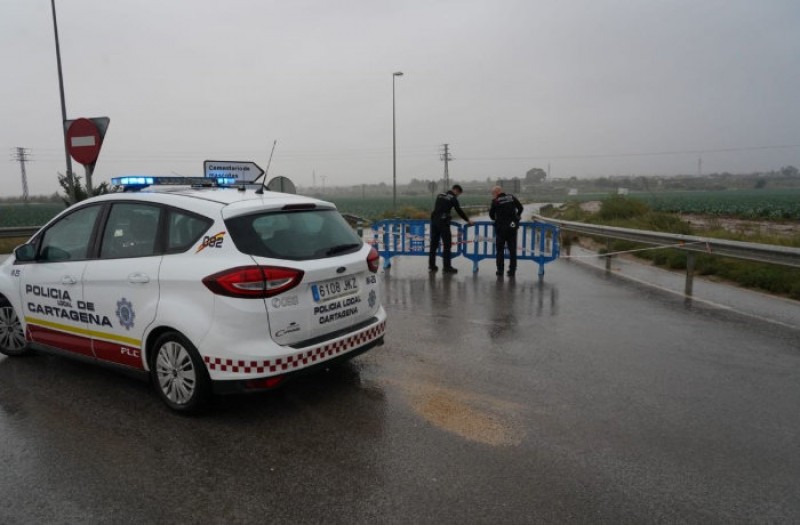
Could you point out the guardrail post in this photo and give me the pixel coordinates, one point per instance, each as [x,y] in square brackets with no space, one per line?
[608,257]
[360,228]
[690,262]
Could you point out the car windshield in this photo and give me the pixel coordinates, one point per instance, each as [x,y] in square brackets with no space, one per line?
[295,235]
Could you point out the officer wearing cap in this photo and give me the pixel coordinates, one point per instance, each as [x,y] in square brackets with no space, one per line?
[506,212]
[440,227]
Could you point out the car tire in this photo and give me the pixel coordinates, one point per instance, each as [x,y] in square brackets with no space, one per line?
[179,375]
[12,336]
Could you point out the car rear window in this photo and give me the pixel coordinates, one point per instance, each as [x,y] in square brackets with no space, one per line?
[295,235]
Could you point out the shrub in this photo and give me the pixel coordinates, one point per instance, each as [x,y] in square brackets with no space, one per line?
[406,212]
[618,207]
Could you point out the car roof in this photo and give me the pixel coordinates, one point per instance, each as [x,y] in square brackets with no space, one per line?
[234,201]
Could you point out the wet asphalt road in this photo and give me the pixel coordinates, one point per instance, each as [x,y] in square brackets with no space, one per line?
[583,398]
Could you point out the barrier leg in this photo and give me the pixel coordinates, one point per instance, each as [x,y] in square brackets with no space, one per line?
[387,262]
[474,266]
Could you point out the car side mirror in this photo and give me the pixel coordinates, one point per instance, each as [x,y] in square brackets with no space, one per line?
[25,253]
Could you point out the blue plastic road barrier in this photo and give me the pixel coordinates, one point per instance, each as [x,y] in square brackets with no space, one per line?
[392,237]
[536,241]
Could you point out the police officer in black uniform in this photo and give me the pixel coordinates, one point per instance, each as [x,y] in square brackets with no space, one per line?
[506,212]
[440,227]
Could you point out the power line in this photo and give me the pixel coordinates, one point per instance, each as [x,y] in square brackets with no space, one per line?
[366,154]
[642,154]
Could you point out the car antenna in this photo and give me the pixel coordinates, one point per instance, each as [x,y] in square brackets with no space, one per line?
[260,191]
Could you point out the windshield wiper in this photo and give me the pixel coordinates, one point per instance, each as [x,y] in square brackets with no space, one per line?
[342,248]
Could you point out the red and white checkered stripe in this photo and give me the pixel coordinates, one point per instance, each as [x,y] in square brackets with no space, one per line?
[300,359]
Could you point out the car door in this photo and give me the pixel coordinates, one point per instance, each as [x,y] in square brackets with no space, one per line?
[122,283]
[51,287]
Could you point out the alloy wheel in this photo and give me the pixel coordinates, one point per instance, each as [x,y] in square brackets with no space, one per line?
[176,373]
[12,336]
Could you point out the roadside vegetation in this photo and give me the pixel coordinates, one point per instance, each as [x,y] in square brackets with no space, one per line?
[628,212]
[410,212]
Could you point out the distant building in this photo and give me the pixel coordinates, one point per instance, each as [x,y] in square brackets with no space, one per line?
[510,185]
[622,191]
[572,191]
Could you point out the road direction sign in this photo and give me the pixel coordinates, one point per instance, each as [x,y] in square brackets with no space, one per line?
[241,171]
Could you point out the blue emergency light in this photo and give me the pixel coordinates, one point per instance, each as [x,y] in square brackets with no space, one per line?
[138,182]
[132,181]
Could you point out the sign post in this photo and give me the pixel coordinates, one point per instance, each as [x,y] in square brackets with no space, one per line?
[84,140]
[241,171]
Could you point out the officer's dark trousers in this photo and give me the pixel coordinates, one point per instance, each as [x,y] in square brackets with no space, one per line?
[440,231]
[506,238]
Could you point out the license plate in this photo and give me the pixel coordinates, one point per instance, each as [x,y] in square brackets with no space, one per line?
[326,290]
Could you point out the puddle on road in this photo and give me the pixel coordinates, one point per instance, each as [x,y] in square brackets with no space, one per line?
[450,411]
[472,416]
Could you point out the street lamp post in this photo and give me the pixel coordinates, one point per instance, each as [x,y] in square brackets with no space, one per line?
[394,145]
[70,180]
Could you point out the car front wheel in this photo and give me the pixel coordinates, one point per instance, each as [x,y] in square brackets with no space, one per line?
[12,336]
[179,375]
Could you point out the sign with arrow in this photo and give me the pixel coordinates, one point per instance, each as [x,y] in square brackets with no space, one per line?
[241,171]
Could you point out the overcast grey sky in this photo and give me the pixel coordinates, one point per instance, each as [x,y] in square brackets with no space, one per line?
[592,87]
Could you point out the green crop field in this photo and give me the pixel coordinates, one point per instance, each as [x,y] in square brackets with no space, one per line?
[370,208]
[747,204]
[762,204]
[33,214]
[373,207]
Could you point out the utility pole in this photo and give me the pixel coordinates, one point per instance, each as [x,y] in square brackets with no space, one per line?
[446,157]
[394,145]
[70,175]
[22,155]
[323,177]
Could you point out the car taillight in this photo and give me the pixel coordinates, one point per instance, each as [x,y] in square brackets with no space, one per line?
[373,260]
[255,282]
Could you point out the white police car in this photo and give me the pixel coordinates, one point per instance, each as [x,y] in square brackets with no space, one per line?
[212,289]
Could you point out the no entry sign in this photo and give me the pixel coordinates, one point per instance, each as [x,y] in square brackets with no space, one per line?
[84,139]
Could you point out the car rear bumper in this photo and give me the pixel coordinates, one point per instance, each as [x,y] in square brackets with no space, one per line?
[234,368]
[238,386]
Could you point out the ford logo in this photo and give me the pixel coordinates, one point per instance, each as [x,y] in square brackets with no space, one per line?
[341,269]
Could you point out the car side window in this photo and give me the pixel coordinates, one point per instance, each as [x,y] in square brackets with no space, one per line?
[70,237]
[184,230]
[131,231]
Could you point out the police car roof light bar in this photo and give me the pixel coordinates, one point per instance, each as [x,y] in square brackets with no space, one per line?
[134,183]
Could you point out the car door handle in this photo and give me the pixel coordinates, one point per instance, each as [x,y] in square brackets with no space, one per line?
[68,279]
[138,278]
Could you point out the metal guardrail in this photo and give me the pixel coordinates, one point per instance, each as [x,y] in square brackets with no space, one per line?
[21,231]
[766,253]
